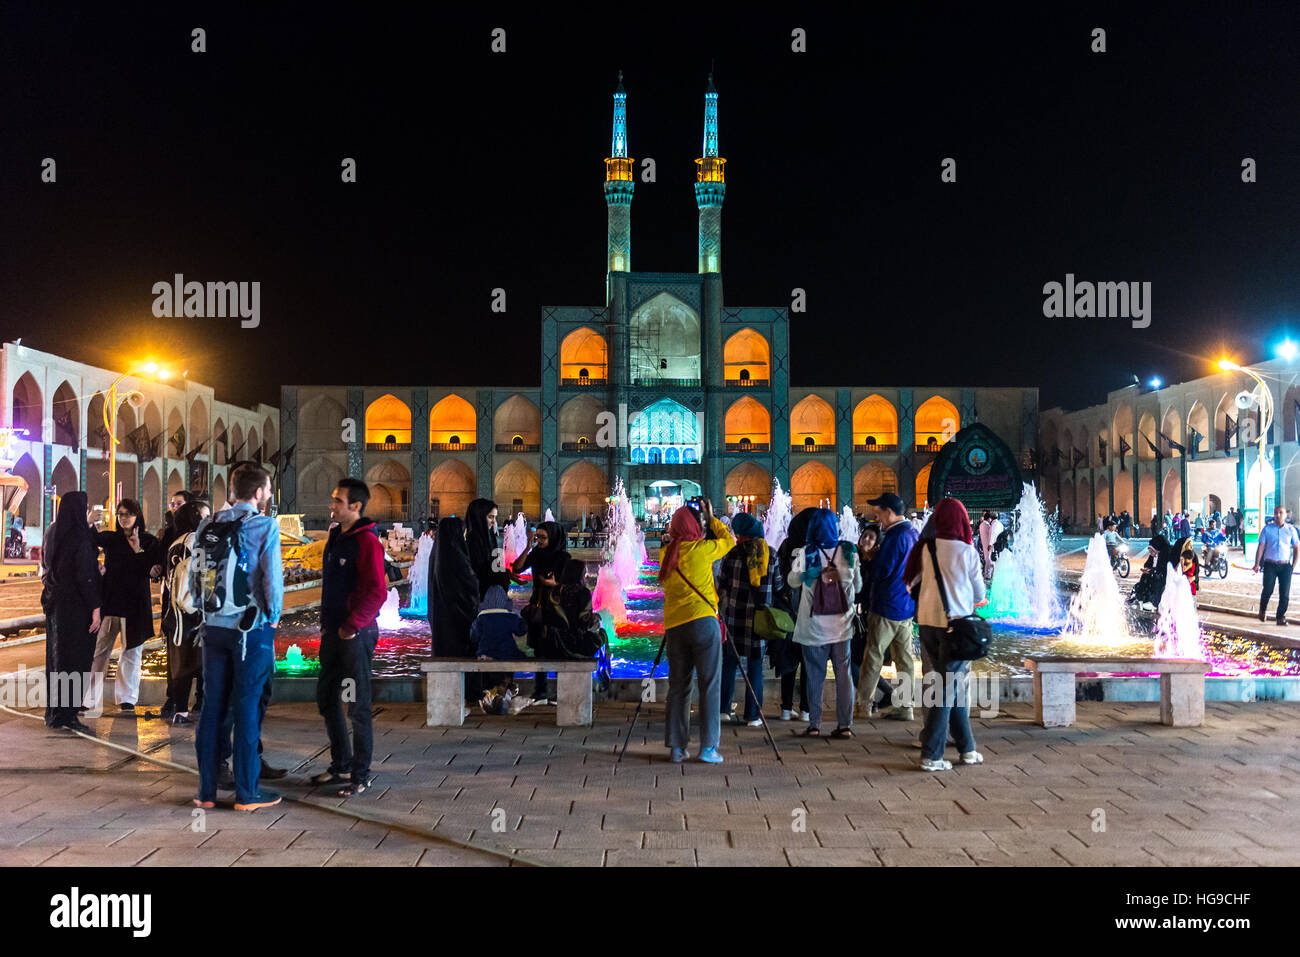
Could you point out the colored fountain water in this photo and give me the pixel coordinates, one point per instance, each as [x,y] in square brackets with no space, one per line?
[848,525]
[624,556]
[418,604]
[1097,613]
[776,522]
[1177,632]
[1024,589]
[514,539]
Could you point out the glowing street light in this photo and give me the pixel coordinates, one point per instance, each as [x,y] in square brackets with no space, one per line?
[1288,350]
[110,423]
[1261,468]
[1155,383]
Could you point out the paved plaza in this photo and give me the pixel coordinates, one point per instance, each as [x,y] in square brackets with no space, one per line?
[1118,789]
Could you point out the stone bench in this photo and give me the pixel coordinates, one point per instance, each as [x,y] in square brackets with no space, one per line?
[1182,686]
[445,688]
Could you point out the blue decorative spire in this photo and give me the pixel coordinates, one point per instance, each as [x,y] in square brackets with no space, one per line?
[619,147]
[710,119]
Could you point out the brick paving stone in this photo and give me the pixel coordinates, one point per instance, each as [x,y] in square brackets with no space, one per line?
[1030,838]
[376,857]
[276,857]
[647,857]
[685,839]
[1081,856]
[190,857]
[170,838]
[785,838]
[860,838]
[569,857]
[88,856]
[263,839]
[1201,856]
[88,837]
[26,857]
[924,857]
[1205,838]
[833,857]
[607,840]
[741,857]
[918,838]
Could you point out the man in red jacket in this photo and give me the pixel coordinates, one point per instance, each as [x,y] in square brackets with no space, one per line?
[353,589]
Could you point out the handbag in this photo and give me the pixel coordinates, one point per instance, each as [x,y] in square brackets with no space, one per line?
[722,625]
[772,624]
[968,637]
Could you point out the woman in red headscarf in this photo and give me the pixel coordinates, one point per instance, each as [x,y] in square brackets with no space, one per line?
[945,541]
[691,630]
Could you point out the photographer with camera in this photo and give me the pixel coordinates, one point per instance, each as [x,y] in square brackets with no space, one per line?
[692,632]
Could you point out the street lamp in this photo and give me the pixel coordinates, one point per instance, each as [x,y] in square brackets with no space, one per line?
[110,423]
[1266,420]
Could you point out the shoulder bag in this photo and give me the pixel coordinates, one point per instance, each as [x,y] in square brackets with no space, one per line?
[968,637]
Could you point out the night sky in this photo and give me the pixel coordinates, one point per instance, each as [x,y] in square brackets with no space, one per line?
[479,170]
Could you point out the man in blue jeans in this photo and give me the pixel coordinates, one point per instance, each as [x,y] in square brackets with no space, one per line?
[1276,554]
[239,651]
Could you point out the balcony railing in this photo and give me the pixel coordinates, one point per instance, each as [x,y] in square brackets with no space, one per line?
[747,447]
[522,447]
[651,383]
[748,383]
[583,381]
[875,447]
[452,446]
[388,446]
[581,447]
[390,513]
[811,449]
[929,447]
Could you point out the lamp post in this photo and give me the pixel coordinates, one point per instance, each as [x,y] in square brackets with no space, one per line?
[110,423]
[1266,420]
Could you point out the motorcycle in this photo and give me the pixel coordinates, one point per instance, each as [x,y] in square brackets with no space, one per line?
[1119,561]
[1216,561]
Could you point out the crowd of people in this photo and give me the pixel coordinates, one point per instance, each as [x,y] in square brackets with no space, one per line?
[817,600]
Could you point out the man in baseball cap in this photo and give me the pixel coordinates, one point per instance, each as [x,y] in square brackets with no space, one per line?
[889,619]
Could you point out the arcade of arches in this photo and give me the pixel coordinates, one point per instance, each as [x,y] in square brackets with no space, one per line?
[583,356]
[746,359]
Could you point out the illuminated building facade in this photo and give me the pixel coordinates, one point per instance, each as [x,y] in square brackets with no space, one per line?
[663,384]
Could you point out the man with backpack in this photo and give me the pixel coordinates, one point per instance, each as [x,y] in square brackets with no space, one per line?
[238,578]
[889,621]
[353,589]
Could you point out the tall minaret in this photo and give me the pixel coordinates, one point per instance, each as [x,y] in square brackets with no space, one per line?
[710,187]
[618,194]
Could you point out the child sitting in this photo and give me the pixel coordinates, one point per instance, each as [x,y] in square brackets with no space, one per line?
[493,634]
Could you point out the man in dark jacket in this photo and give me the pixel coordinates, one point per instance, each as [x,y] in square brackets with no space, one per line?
[889,621]
[353,589]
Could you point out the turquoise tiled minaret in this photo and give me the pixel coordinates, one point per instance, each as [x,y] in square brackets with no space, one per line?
[710,186]
[619,186]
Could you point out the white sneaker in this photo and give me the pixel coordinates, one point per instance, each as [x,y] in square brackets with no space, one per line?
[972,757]
[805,716]
[939,765]
[786,715]
[756,723]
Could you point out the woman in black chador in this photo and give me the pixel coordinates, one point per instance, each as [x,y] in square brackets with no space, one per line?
[453,599]
[546,557]
[71,600]
[484,544]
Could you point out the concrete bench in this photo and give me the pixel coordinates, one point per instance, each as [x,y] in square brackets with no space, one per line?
[1182,686]
[445,689]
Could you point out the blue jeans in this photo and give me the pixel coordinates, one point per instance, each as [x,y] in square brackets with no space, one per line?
[693,647]
[235,671]
[753,668]
[945,698]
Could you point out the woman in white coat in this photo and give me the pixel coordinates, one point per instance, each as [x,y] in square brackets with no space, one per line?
[945,688]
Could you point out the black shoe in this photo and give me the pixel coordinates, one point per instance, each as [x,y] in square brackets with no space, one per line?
[225,779]
[269,773]
[128,709]
[77,725]
[329,777]
[182,719]
[1261,616]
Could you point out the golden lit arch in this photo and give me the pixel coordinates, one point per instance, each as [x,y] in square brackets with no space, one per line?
[388,416]
[936,419]
[871,481]
[749,478]
[812,486]
[451,487]
[923,487]
[453,421]
[516,488]
[875,422]
[812,418]
[746,359]
[584,355]
[747,421]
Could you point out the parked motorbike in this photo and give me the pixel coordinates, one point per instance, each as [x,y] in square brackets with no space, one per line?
[1119,561]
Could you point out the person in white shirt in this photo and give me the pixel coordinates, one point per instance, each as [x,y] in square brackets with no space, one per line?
[947,542]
